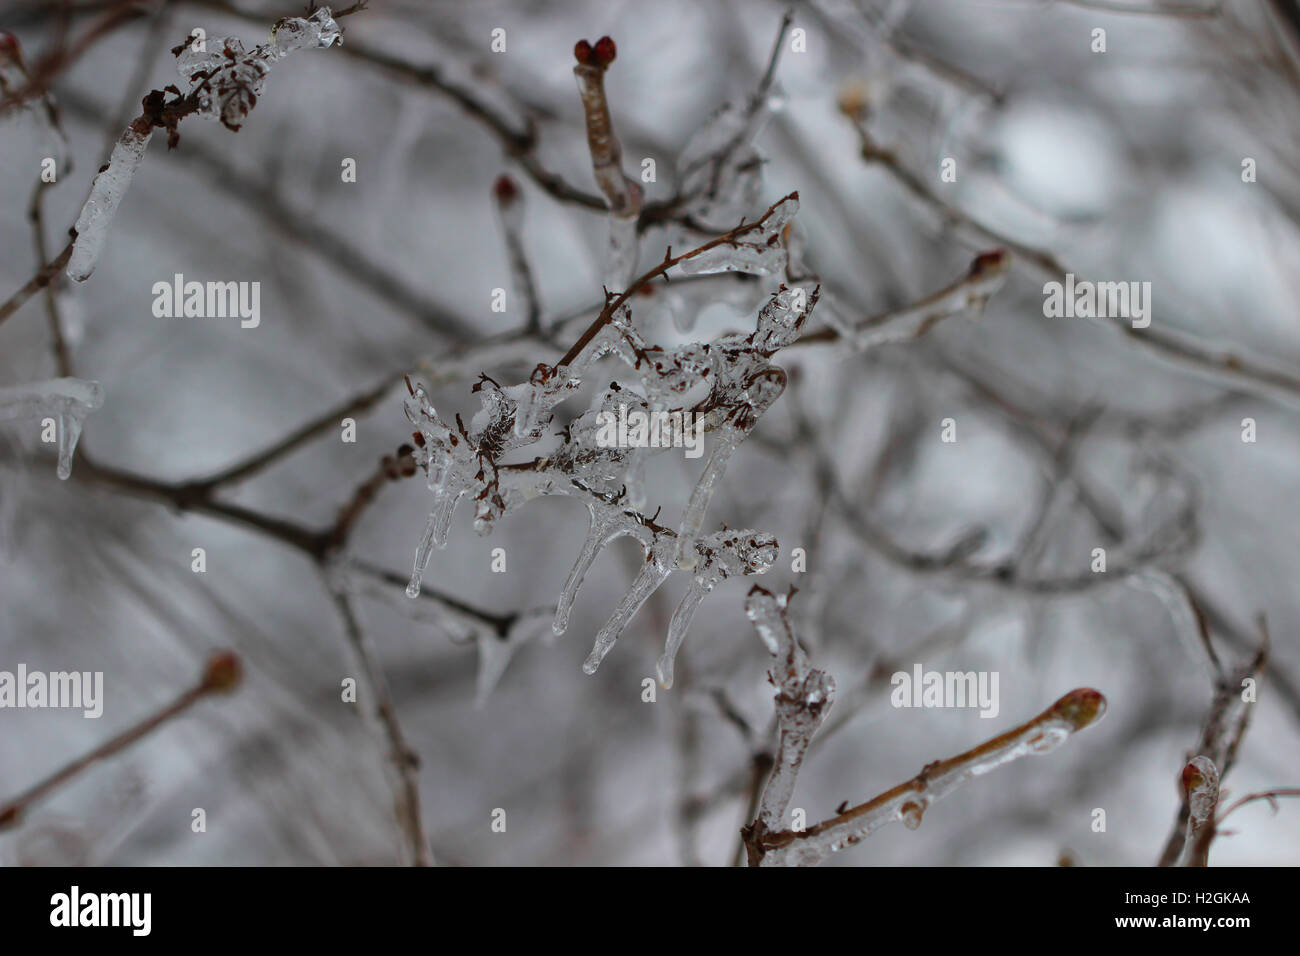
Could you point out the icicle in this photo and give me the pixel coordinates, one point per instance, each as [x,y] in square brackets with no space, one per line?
[646,583]
[603,529]
[724,554]
[67,400]
[724,447]
[677,628]
[422,552]
[106,194]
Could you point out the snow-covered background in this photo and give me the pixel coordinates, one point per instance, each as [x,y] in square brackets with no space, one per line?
[1125,165]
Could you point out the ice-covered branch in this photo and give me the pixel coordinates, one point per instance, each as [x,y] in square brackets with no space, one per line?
[225,82]
[763,233]
[803,698]
[604,471]
[622,194]
[1166,343]
[967,296]
[908,802]
[1201,791]
[1221,735]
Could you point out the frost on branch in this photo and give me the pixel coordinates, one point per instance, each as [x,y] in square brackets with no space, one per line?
[67,400]
[803,697]
[225,82]
[723,386]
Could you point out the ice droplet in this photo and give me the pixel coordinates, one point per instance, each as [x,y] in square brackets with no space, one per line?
[910,813]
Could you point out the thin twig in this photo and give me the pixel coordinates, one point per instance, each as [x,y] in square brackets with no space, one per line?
[221,675]
[404,760]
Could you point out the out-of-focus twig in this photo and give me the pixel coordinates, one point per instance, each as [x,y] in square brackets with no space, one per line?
[221,675]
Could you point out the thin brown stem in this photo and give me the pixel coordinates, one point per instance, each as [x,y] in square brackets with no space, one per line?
[222,674]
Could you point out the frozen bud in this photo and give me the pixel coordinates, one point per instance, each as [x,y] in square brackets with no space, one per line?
[600,55]
[10,51]
[854,99]
[1200,778]
[1080,707]
[990,263]
[222,673]
[506,190]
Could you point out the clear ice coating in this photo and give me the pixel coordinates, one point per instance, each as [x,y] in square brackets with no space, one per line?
[758,252]
[723,386]
[721,555]
[227,81]
[721,169]
[607,523]
[67,400]
[907,802]
[106,193]
[311,33]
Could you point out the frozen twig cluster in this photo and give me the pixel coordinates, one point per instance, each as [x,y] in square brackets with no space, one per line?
[721,388]
[224,84]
